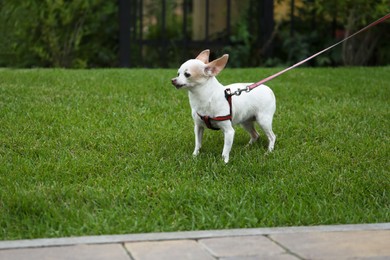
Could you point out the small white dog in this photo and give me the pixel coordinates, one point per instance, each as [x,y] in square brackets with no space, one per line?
[213,107]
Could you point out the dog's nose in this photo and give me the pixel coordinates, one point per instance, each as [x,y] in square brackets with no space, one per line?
[174,81]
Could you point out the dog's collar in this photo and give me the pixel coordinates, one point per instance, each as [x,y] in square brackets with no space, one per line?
[207,119]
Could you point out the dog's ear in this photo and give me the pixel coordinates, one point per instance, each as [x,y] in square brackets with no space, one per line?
[215,67]
[204,56]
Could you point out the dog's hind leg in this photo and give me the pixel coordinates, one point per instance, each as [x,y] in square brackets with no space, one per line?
[249,127]
[265,123]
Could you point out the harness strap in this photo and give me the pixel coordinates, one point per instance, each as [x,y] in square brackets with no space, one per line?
[207,119]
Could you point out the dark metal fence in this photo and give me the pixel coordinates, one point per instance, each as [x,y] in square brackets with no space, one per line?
[133,45]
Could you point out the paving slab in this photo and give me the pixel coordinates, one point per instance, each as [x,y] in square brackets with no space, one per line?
[274,257]
[77,252]
[337,245]
[168,250]
[240,247]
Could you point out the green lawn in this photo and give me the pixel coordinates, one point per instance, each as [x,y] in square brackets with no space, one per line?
[88,152]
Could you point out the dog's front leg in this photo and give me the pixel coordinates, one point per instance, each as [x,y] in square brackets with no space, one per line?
[198,130]
[228,142]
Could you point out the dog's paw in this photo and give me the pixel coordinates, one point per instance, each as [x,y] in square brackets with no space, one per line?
[195,153]
[253,140]
[270,148]
[269,151]
[225,158]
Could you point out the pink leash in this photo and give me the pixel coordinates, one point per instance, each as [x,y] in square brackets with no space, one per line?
[254,85]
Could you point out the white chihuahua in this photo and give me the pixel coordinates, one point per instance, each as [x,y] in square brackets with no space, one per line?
[214,107]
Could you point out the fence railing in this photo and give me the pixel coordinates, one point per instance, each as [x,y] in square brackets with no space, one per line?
[134,47]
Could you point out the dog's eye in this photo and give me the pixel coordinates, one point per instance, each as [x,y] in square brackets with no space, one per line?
[178,74]
[187,75]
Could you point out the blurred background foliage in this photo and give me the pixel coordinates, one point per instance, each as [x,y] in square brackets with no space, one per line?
[85,34]
[58,33]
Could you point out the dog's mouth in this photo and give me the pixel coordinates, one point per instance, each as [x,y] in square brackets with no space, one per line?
[178,86]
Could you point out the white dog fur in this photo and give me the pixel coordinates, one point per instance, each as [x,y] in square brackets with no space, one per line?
[207,97]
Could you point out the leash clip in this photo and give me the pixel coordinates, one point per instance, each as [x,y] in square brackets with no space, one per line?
[238,92]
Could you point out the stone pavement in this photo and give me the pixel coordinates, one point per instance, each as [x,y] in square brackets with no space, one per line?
[362,241]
